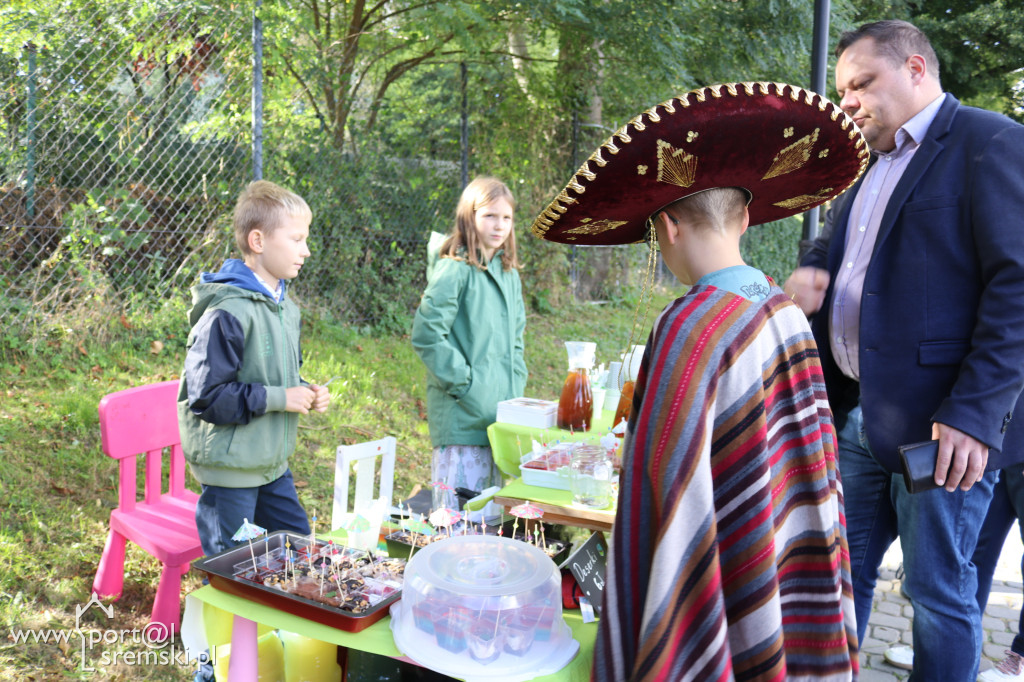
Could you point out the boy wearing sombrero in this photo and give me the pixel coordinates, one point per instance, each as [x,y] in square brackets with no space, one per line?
[728,556]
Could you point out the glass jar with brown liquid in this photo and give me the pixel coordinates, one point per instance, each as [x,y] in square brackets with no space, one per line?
[625,404]
[576,404]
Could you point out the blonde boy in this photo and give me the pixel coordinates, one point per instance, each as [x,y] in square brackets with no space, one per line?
[241,393]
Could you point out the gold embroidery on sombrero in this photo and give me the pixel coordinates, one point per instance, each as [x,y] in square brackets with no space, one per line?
[598,159]
[592,227]
[586,172]
[641,170]
[823,153]
[792,157]
[805,199]
[576,186]
[788,132]
[691,135]
[675,166]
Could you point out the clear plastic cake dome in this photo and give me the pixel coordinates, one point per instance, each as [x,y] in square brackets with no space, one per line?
[483,607]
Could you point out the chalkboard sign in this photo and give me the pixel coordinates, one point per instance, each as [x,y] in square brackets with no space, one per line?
[587,565]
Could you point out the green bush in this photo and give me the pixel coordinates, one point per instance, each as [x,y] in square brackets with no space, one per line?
[772,247]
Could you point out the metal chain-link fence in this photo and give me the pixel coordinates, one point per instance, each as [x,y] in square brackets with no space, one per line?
[124,140]
[123,144]
[126,133]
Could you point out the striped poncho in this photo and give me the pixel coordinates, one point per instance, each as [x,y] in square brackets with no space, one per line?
[729,557]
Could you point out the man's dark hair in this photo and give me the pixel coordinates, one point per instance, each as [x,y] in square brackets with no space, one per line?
[896,40]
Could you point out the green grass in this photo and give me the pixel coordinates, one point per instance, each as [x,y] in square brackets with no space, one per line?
[58,488]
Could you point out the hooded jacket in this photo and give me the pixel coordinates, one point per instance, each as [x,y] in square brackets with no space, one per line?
[242,354]
[468,331]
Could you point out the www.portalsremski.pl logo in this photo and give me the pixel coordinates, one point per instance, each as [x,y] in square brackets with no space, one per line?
[151,645]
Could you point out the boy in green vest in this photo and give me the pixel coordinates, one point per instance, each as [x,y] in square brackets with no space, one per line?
[240,393]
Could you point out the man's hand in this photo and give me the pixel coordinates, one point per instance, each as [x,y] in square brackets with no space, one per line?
[299,399]
[968,457]
[806,286]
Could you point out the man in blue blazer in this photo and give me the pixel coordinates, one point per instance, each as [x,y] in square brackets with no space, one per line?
[920,287]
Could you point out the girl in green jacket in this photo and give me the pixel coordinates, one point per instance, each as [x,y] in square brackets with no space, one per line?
[468,331]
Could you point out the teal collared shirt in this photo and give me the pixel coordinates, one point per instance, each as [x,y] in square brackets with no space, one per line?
[742,280]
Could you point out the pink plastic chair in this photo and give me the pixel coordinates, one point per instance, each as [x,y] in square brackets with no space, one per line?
[144,421]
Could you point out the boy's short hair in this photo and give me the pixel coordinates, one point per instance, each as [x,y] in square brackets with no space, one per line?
[713,209]
[259,207]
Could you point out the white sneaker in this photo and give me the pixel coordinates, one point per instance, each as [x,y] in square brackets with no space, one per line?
[1009,669]
[901,656]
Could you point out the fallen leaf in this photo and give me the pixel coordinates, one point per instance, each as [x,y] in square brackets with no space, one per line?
[125,323]
[60,489]
[301,484]
[81,349]
[156,347]
[359,348]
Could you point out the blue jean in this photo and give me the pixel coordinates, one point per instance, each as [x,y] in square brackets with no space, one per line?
[1006,507]
[938,532]
[220,511]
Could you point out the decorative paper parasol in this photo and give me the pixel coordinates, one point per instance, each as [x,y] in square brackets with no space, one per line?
[416,526]
[248,531]
[449,495]
[358,524]
[444,517]
[527,510]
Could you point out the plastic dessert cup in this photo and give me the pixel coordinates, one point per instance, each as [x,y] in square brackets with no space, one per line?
[485,641]
[426,612]
[518,637]
[538,619]
[450,630]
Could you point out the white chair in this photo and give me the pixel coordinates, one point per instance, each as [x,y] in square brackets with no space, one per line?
[364,458]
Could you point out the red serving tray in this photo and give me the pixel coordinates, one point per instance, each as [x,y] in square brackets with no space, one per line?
[220,571]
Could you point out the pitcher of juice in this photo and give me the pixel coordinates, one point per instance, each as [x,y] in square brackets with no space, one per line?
[625,404]
[576,405]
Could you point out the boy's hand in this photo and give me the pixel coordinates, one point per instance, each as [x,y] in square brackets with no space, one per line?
[322,399]
[299,399]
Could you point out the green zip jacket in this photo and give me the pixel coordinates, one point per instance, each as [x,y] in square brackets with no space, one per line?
[241,356]
[468,331]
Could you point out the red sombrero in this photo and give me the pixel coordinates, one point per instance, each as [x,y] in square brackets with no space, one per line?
[790,148]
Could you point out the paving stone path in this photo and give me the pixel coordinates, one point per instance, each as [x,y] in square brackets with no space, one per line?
[891,619]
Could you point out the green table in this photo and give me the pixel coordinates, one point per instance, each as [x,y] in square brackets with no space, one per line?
[510,441]
[375,639]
